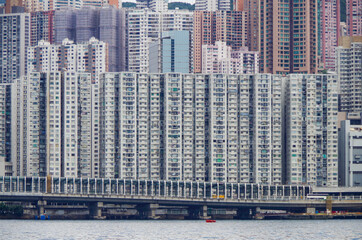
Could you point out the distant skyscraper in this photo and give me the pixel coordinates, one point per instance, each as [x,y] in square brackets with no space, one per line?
[349,70]
[107,24]
[212,5]
[330,23]
[288,37]
[145,26]
[64,25]
[42,27]
[12,3]
[15,38]
[354,17]
[61,4]
[171,53]
[226,26]
[252,7]
[155,5]
[238,5]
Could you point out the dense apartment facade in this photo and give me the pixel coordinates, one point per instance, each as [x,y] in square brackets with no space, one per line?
[90,56]
[330,29]
[107,24]
[288,37]
[15,38]
[349,70]
[225,26]
[145,26]
[42,27]
[220,58]
[213,5]
[173,126]
[354,17]
[311,130]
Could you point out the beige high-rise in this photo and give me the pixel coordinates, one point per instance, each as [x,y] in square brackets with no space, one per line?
[288,36]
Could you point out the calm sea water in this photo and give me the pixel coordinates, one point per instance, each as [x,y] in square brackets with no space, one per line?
[148,229]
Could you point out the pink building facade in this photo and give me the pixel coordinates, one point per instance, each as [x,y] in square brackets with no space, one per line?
[354,17]
[330,32]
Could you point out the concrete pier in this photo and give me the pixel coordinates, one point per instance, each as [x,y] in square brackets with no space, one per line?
[95,210]
[41,207]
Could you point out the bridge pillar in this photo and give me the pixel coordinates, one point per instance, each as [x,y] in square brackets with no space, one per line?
[148,211]
[203,214]
[244,213]
[198,212]
[41,207]
[95,210]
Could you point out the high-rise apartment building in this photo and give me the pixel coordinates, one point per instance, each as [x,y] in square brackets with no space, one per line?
[311,130]
[349,70]
[15,38]
[288,37]
[6,133]
[91,57]
[107,24]
[61,4]
[354,17]
[252,7]
[267,141]
[220,58]
[225,26]
[194,127]
[52,128]
[213,5]
[145,26]
[42,27]
[330,23]
[171,53]
[130,123]
[155,5]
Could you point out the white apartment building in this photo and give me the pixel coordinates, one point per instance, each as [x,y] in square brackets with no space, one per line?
[128,126]
[15,38]
[349,70]
[222,59]
[145,26]
[173,137]
[229,134]
[77,128]
[212,5]
[311,127]
[267,129]
[195,127]
[109,129]
[91,57]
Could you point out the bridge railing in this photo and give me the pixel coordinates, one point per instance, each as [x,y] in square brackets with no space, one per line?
[152,188]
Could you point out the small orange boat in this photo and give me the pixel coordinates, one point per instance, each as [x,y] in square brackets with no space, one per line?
[210,221]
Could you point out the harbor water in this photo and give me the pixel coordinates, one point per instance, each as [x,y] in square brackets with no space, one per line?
[175,229]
